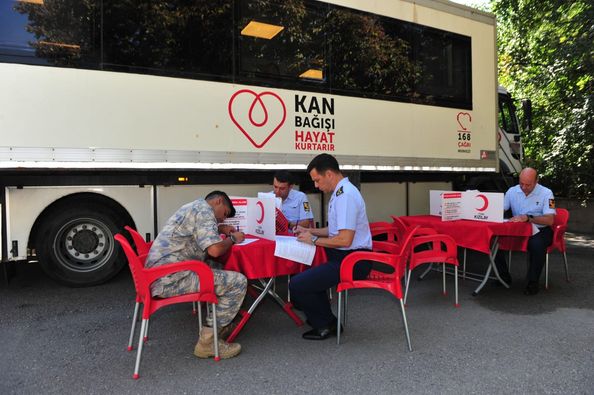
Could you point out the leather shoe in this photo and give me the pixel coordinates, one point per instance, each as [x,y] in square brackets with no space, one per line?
[321,333]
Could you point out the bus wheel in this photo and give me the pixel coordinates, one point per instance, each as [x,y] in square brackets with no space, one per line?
[76,246]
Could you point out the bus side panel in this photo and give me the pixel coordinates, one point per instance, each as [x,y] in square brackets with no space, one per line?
[25,205]
[383,200]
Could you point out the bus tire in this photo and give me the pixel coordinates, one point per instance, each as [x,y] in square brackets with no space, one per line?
[76,247]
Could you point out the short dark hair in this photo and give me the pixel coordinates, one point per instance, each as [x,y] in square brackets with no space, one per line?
[322,163]
[216,194]
[283,176]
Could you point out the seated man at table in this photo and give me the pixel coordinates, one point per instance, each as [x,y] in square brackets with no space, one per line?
[295,206]
[347,232]
[193,233]
[530,202]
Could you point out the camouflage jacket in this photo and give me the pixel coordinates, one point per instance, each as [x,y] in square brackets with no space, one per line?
[185,236]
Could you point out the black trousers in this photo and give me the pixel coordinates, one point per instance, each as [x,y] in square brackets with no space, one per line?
[537,251]
[308,289]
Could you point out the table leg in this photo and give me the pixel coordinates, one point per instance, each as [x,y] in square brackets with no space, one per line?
[492,266]
[266,290]
[286,306]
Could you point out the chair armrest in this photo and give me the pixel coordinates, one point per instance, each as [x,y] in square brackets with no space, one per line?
[385,246]
[349,262]
[201,269]
[435,241]
[425,231]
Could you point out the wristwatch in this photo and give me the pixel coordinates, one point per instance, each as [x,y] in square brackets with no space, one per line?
[313,239]
[232,238]
[530,216]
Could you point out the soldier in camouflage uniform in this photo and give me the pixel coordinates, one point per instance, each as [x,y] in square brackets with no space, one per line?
[193,233]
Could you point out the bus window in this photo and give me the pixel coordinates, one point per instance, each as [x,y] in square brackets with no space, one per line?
[371,55]
[282,41]
[174,38]
[62,34]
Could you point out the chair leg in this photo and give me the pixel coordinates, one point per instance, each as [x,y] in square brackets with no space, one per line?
[408,275]
[199,316]
[194,308]
[216,334]
[566,268]
[547,271]
[445,292]
[139,352]
[145,333]
[339,319]
[134,318]
[346,304]
[405,325]
[456,285]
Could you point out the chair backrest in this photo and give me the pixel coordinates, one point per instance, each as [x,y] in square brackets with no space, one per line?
[559,228]
[383,228]
[407,248]
[400,226]
[561,217]
[142,246]
[135,265]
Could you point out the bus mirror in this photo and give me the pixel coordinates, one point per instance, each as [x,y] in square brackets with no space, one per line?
[527,111]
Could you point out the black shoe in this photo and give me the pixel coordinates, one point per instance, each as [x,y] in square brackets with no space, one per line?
[321,333]
[531,288]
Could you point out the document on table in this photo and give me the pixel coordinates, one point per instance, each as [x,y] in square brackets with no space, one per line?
[289,247]
[246,242]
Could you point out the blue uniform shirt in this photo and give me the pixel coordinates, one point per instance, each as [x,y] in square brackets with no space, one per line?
[346,210]
[540,201]
[296,206]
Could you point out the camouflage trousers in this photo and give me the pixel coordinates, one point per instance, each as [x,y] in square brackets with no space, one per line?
[230,288]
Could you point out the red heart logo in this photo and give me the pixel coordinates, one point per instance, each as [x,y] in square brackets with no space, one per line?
[258,123]
[461,118]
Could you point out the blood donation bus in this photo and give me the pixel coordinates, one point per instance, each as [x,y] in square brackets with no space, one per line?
[116,113]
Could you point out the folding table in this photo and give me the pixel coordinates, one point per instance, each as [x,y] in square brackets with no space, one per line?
[480,236]
[256,261]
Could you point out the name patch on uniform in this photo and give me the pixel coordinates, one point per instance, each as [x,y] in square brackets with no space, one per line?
[339,192]
[306,206]
[551,203]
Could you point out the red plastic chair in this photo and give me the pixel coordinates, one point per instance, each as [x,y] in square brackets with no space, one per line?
[378,280]
[142,246]
[559,228]
[385,228]
[143,278]
[442,249]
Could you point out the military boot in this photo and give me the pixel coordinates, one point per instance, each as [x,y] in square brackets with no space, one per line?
[205,346]
[225,331]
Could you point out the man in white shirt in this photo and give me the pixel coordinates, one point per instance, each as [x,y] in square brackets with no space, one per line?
[296,207]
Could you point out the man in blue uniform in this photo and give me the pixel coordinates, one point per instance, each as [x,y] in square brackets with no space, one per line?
[530,202]
[347,232]
[296,207]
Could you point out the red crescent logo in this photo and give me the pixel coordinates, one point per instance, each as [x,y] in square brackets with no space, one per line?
[249,125]
[485,202]
[261,219]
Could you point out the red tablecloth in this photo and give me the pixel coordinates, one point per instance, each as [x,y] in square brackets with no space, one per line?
[477,235]
[257,260]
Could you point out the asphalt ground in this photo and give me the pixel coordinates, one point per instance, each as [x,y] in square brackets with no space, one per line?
[63,340]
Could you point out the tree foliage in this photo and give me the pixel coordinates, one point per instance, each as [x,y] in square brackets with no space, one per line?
[546,53]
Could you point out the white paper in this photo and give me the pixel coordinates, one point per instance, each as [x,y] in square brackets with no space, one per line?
[278,202]
[289,247]
[246,242]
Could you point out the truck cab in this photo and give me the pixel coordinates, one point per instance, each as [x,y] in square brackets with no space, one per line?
[509,136]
